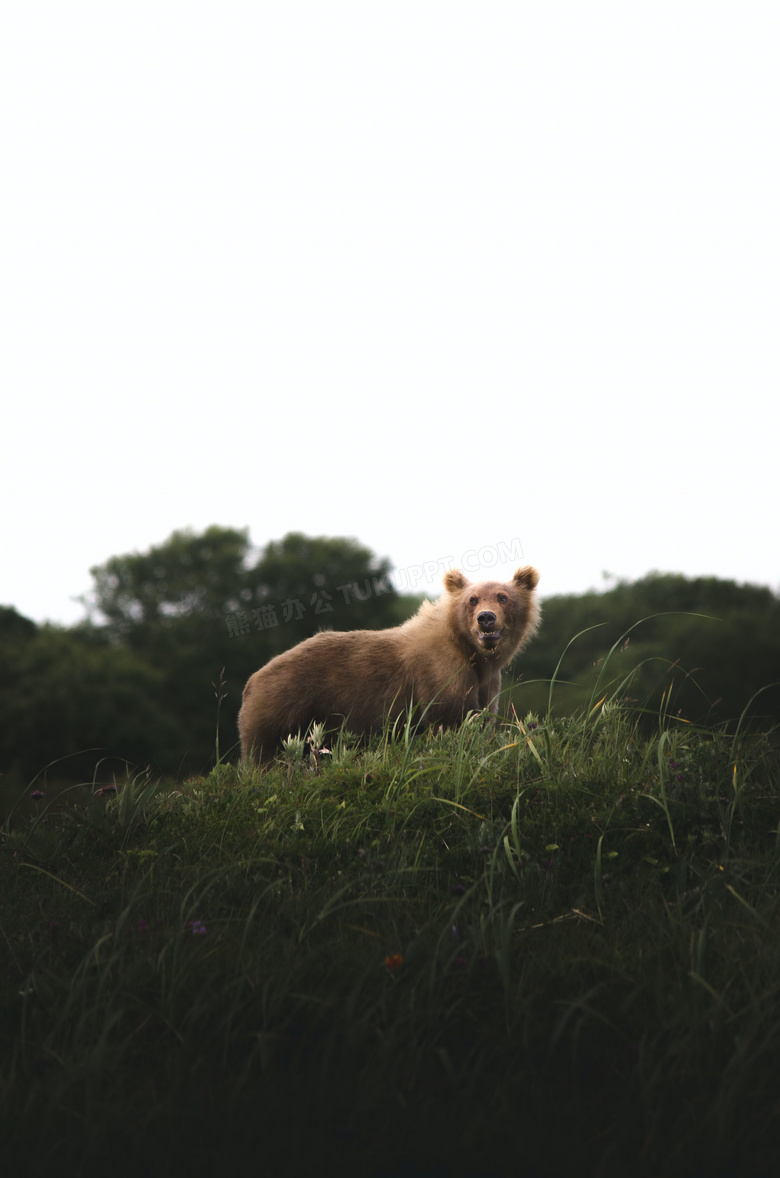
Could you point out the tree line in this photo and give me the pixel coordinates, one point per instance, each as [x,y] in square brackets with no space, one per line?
[704,649]
[154,674]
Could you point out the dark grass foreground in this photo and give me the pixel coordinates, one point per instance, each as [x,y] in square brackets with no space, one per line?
[533,950]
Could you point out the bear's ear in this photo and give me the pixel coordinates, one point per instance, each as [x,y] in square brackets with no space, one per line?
[526,577]
[454,581]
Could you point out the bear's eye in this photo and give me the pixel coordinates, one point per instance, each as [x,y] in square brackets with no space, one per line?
[502,598]
[473,600]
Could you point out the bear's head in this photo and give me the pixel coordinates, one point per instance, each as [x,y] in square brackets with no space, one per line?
[494,618]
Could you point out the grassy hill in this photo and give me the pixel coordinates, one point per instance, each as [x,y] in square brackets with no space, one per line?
[544,947]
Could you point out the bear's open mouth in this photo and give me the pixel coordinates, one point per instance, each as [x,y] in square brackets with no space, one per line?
[489,638]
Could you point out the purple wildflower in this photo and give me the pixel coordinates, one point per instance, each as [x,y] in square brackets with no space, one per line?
[197,928]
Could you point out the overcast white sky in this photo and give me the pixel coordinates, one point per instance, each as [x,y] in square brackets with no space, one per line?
[439,276]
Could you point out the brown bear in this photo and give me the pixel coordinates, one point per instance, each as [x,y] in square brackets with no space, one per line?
[445,661]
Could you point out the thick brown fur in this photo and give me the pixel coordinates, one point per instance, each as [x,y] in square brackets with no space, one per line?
[446,661]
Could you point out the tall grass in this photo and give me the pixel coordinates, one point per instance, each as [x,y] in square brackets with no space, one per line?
[541,946]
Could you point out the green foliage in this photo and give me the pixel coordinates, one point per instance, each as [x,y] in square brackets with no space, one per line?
[139,594]
[201,579]
[171,629]
[67,695]
[336,582]
[491,950]
[14,628]
[698,648]
[16,633]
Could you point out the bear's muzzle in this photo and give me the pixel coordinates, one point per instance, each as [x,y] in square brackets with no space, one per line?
[487,634]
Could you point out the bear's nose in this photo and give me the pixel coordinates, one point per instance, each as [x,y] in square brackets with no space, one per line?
[486,619]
